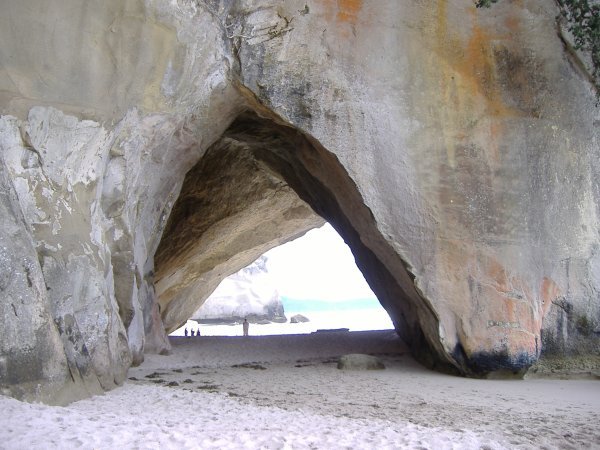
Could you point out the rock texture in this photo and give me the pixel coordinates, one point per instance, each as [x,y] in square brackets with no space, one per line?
[247,294]
[358,361]
[232,208]
[149,149]
[32,358]
[299,318]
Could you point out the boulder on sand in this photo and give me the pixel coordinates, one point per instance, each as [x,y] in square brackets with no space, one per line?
[357,361]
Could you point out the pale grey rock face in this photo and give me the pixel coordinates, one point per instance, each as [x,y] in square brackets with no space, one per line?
[32,360]
[152,148]
[59,205]
[249,293]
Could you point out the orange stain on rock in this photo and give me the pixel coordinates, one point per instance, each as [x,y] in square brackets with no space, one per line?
[345,10]
[513,24]
[467,81]
[477,69]
[496,272]
[471,64]
[348,10]
[548,292]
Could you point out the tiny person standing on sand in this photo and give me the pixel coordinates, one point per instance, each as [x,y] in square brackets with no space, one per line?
[245,326]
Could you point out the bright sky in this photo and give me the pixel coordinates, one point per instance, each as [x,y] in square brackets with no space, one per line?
[317,266]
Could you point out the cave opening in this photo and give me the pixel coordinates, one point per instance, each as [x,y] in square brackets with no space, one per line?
[307,285]
[264,183]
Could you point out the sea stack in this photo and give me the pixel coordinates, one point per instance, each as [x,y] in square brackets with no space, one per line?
[249,293]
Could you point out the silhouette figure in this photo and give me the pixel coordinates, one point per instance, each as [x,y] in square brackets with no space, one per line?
[186,332]
[245,326]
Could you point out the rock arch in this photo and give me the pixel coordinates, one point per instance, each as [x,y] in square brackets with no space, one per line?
[263,183]
[456,152]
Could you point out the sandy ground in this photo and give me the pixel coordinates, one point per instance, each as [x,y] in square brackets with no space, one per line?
[301,374]
[286,392]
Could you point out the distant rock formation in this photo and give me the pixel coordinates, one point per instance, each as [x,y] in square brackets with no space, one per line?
[249,293]
[299,318]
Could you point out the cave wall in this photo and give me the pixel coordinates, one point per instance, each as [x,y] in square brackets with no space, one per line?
[105,106]
[456,151]
[475,147]
[231,209]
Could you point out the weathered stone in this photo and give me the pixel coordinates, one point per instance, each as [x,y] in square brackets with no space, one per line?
[357,361]
[33,365]
[456,152]
[475,147]
[247,294]
[59,202]
[232,208]
[299,318]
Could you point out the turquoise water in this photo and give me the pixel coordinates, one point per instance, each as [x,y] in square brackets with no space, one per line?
[305,305]
[356,315]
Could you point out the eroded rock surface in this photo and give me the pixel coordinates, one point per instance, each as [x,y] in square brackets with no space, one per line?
[299,318]
[32,360]
[232,208]
[150,148]
[247,294]
[479,173]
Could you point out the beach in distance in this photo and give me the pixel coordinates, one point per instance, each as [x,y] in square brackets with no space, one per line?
[356,315]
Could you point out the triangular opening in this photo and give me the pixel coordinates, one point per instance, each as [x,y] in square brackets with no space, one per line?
[308,285]
[260,185]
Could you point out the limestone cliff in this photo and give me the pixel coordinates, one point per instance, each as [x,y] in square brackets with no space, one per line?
[148,149]
[249,293]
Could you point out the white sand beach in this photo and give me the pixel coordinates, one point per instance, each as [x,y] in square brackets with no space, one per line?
[286,392]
